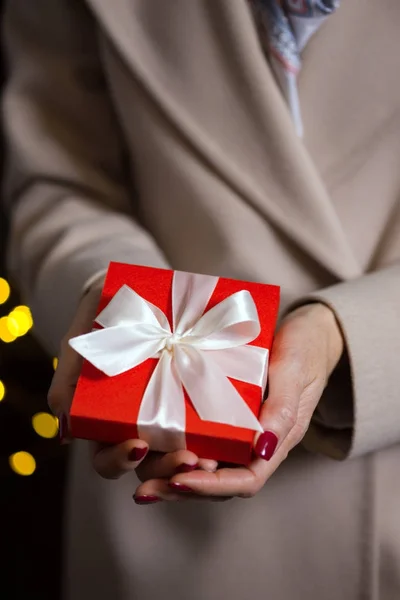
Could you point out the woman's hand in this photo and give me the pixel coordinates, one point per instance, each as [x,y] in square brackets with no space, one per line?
[306,349]
[109,461]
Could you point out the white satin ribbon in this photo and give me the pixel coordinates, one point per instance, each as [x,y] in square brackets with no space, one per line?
[198,354]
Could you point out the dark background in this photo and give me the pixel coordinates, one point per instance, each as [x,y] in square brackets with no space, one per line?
[30,506]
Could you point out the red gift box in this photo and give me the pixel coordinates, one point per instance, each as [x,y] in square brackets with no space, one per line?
[106,408]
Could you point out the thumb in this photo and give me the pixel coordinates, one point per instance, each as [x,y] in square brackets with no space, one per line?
[63,385]
[279,413]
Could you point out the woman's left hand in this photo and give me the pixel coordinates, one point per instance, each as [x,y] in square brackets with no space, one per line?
[306,349]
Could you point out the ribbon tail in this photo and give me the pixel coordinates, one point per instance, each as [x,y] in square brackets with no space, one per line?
[212,394]
[244,363]
[162,414]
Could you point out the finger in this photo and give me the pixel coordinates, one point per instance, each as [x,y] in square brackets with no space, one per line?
[222,483]
[243,482]
[159,465]
[154,490]
[69,366]
[279,412]
[207,464]
[111,462]
[62,391]
[157,490]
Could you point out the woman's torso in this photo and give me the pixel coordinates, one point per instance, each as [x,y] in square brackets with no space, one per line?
[226,187]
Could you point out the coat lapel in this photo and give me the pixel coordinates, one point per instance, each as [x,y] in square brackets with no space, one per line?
[201,63]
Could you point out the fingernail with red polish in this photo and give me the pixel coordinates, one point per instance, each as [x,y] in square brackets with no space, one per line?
[184,468]
[63,427]
[137,454]
[179,487]
[266,445]
[146,499]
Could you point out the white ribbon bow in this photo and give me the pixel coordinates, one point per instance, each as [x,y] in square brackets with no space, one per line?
[199,354]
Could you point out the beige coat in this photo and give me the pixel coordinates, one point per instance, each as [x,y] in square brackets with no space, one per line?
[153,132]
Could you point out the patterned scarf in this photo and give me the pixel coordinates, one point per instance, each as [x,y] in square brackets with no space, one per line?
[285,26]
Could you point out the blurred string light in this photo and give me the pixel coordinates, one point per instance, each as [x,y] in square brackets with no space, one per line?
[19,321]
[24,309]
[22,463]
[45,425]
[16,324]
[55,363]
[5,334]
[4,290]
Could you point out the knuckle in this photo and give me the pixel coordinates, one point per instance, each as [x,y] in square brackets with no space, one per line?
[288,416]
[296,361]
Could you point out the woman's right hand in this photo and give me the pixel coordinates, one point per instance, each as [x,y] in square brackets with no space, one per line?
[110,461]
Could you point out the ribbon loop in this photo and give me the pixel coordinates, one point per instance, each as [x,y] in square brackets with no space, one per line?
[232,322]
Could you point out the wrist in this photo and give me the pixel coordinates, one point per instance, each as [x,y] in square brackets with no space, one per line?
[323,318]
[335,342]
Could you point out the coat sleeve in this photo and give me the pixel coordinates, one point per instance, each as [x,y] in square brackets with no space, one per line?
[67,194]
[360,409]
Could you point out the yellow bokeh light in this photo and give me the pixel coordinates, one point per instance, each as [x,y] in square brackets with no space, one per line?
[45,425]
[5,334]
[4,290]
[22,463]
[55,363]
[24,309]
[13,326]
[18,323]
[2,391]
